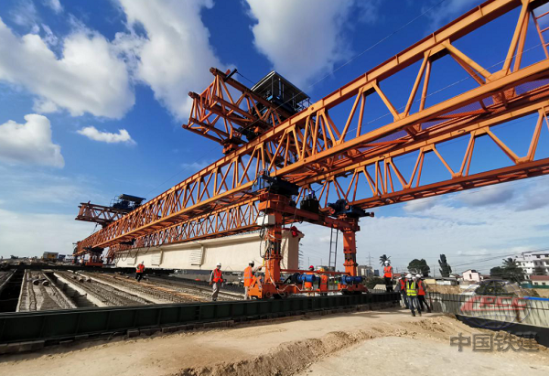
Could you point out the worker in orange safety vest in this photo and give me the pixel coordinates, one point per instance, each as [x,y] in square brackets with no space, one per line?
[139,270]
[249,274]
[388,276]
[216,279]
[421,288]
[401,287]
[323,285]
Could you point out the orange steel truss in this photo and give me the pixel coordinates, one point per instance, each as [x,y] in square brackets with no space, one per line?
[218,117]
[98,214]
[360,164]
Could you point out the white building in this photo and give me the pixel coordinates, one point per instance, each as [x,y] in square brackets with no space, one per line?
[530,261]
[233,252]
[365,271]
[471,275]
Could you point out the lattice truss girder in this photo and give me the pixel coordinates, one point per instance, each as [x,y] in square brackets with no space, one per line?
[219,115]
[312,148]
[98,214]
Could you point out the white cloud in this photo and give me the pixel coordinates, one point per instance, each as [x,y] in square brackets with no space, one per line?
[446,11]
[175,56]
[303,39]
[49,36]
[30,142]
[88,78]
[493,194]
[111,138]
[25,14]
[50,232]
[421,204]
[471,236]
[196,165]
[55,5]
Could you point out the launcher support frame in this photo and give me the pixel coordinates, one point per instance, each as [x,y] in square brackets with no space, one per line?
[283,211]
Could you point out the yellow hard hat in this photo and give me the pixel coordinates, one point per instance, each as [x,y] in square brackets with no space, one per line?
[320,269]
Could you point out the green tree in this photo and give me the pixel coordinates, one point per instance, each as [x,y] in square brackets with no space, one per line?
[384,258]
[445,268]
[371,282]
[511,270]
[496,272]
[492,288]
[419,267]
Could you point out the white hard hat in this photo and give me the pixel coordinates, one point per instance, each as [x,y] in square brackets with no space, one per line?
[251,262]
[219,264]
[408,275]
[418,275]
[386,262]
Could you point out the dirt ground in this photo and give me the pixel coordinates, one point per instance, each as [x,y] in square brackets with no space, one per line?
[543,293]
[381,342]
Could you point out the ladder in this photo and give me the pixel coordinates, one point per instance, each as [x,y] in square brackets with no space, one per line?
[332,256]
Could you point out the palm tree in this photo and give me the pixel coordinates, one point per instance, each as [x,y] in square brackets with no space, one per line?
[512,271]
[509,262]
[384,258]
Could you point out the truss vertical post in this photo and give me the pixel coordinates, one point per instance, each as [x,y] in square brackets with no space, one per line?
[273,253]
[349,247]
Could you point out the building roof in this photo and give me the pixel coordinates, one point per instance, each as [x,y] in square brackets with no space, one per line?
[539,277]
[470,271]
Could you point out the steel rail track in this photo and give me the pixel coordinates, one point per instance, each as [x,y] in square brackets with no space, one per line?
[50,327]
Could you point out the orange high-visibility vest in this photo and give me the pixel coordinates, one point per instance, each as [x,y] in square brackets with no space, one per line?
[248,276]
[388,270]
[309,285]
[217,275]
[140,268]
[402,285]
[420,287]
[324,282]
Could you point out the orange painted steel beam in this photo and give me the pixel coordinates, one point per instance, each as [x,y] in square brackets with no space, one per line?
[381,195]
[216,115]
[98,214]
[310,148]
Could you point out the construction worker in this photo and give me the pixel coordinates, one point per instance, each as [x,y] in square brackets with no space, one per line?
[249,274]
[421,294]
[323,284]
[216,279]
[411,292]
[139,270]
[388,275]
[309,285]
[401,287]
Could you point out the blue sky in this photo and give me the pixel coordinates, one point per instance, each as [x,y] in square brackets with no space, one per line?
[93,95]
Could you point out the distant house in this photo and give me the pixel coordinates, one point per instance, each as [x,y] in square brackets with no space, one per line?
[471,275]
[441,281]
[365,271]
[540,280]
